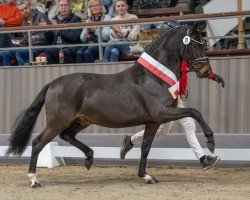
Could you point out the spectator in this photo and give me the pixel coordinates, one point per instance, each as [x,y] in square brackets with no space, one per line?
[48,7]
[10,16]
[173,3]
[96,12]
[7,58]
[32,17]
[79,8]
[196,6]
[247,21]
[67,36]
[121,33]
[109,5]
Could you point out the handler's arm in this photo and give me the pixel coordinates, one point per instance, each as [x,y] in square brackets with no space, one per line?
[216,78]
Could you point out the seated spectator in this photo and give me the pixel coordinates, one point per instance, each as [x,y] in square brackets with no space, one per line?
[48,7]
[196,6]
[247,20]
[65,36]
[107,5]
[173,3]
[7,58]
[79,8]
[32,17]
[96,12]
[10,16]
[121,33]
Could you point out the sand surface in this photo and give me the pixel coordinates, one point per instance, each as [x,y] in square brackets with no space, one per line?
[107,182]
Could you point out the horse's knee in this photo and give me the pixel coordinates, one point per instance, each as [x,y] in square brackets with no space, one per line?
[196,113]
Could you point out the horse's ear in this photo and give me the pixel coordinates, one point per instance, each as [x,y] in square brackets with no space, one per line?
[198,27]
[194,28]
[202,26]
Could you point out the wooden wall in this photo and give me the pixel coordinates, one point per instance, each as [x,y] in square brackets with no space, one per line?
[225,110]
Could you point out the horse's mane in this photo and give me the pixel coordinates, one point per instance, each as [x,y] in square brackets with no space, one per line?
[163,34]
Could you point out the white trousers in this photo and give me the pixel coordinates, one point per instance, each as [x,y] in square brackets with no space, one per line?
[189,128]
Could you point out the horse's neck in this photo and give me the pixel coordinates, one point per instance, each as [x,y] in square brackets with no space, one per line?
[165,50]
[140,73]
[168,61]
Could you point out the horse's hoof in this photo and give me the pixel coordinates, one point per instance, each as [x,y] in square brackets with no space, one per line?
[89,159]
[88,163]
[211,145]
[36,185]
[149,179]
[152,181]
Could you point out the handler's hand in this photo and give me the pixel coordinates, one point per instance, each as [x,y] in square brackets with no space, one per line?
[219,80]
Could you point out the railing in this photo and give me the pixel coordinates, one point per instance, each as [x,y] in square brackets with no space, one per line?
[184,18]
[156,12]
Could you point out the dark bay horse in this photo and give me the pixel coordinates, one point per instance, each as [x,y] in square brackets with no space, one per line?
[129,98]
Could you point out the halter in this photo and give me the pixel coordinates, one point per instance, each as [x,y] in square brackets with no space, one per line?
[192,63]
[186,40]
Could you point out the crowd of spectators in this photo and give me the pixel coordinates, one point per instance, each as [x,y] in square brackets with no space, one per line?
[46,12]
[14,13]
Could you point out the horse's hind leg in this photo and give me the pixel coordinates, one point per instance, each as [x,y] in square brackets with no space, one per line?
[69,135]
[38,144]
[148,138]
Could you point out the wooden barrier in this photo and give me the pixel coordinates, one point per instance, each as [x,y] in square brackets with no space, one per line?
[156,12]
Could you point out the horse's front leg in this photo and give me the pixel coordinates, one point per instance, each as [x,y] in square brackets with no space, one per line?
[172,114]
[206,129]
[148,138]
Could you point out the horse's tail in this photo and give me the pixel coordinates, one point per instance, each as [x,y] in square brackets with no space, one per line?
[25,123]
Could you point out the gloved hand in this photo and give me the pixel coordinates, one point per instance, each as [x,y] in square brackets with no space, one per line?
[219,80]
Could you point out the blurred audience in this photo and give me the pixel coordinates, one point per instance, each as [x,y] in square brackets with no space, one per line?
[96,12]
[64,36]
[196,6]
[48,7]
[32,17]
[173,3]
[79,8]
[10,16]
[121,33]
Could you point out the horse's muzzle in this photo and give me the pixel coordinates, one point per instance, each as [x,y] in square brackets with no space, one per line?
[204,71]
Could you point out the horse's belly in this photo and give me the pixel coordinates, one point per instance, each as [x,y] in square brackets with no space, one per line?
[115,118]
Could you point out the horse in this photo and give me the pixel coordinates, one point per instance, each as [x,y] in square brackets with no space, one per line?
[135,96]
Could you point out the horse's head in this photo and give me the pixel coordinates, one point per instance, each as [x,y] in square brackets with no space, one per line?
[194,52]
[181,43]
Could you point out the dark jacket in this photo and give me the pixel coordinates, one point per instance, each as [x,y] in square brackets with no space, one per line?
[68,36]
[197,5]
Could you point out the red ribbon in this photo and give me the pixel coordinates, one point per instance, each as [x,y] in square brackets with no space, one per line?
[183,79]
